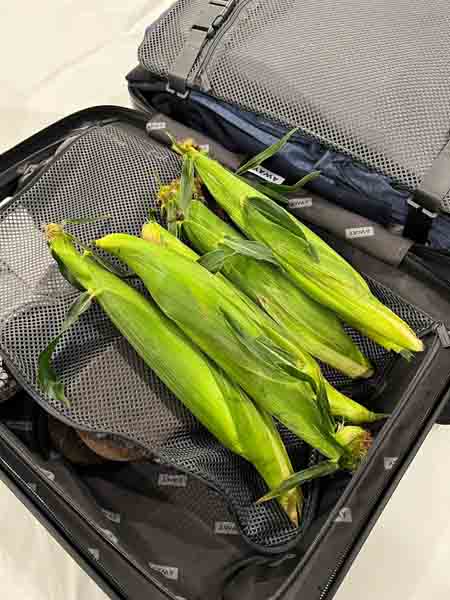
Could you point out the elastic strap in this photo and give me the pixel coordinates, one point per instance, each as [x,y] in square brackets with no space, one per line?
[418,223]
[208,21]
[427,199]
[435,186]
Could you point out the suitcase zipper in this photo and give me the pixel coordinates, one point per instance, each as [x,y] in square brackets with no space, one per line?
[442,334]
[215,40]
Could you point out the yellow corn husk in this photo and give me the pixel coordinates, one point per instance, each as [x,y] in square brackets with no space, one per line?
[340,405]
[217,402]
[312,265]
[243,341]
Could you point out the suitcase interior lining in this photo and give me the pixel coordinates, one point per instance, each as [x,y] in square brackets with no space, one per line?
[116,169]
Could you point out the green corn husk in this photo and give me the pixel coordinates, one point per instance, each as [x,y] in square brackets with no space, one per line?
[316,328]
[352,437]
[312,265]
[222,406]
[243,341]
[250,281]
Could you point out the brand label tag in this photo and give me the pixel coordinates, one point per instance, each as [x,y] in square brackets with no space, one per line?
[267,175]
[172,480]
[111,516]
[156,125]
[300,202]
[225,528]
[359,232]
[389,462]
[345,516]
[168,572]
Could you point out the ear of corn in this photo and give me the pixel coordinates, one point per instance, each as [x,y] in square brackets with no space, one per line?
[237,338]
[355,438]
[223,408]
[311,263]
[253,282]
[315,327]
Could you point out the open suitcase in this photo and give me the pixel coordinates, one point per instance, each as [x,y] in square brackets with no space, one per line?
[179,520]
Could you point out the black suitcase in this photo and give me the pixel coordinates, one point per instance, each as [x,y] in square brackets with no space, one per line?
[182,523]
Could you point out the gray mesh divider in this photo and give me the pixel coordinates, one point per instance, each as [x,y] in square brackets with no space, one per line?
[446,203]
[369,78]
[170,35]
[116,169]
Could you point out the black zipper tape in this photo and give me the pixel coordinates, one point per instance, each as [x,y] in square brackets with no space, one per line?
[208,51]
[316,573]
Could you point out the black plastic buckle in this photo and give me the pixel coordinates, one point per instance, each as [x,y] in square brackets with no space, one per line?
[435,185]
[182,95]
[418,223]
[426,202]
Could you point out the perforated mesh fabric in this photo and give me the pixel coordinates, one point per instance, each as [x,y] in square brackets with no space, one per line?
[8,386]
[369,78]
[116,170]
[446,203]
[169,36]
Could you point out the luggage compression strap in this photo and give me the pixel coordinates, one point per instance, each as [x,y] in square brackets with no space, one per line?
[428,197]
[207,22]
[418,223]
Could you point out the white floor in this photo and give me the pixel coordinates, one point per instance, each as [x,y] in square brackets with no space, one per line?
[59,56]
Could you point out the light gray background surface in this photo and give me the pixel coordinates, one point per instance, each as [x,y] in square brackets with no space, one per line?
[59,56]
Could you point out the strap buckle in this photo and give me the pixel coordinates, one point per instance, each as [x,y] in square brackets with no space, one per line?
[435,185]
[213,15]
[419,207]
[208,21]
[419,222]
[181,95]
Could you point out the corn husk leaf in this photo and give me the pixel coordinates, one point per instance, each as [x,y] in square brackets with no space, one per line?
[172,219]
[66,273]
[271,354]
[322,469]
[255,250]
[278,216]
[292,189]
[267,153]
[215,260]
[47,376]
[271,192]
[90,251]
[186,184]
